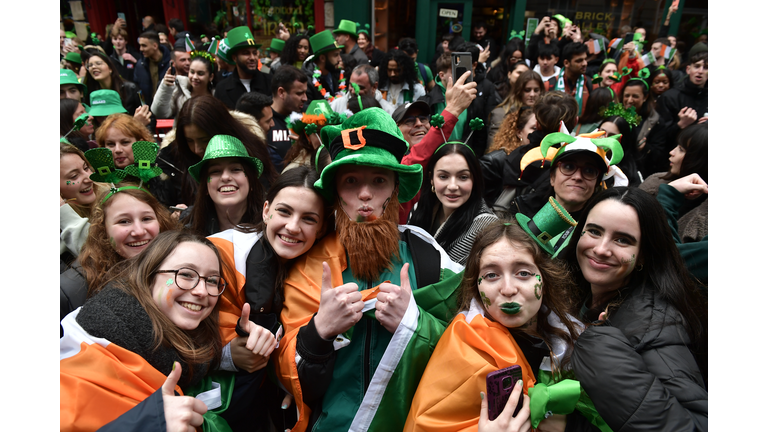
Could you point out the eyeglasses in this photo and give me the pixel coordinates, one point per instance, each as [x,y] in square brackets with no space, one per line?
[410,121]
[95,64]
[569,168]
[188,279]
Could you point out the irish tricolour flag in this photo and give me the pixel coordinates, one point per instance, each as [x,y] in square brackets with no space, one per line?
[646,60]
[595,46]
[667,52]
[616,43]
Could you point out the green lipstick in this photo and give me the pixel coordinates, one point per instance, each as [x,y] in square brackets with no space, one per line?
[510,308]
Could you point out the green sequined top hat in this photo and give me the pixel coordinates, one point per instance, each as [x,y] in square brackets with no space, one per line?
[323,42]
[346,27]
[106,102]
[368,138]
[73,57]
[224,146]
[222,48]
[240,37]
[364,28]
[277,45]
[104,171]
[144,155]
[546,224]
[596,147]
[66,76]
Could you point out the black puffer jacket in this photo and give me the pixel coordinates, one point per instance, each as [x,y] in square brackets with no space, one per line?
[638,368]
[673,100]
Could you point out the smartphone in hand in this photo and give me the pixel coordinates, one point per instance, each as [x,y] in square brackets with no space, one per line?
[499,386]
[460,63]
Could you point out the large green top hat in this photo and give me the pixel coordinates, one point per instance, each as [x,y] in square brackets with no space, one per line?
[346,27]
[549,222]
[240,37]
[224,146]
[73,57]
[368,138]
[106,102]
[277,45]
[66,76]
[323,42]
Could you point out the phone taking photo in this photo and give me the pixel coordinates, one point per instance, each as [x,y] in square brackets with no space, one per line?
[499,386]
[461,62]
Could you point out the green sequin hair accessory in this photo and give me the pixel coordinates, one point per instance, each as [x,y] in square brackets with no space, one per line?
[615,109]
[204,54]
[144,155]
[103,164]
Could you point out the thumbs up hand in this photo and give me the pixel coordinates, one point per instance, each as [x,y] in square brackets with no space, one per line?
[340,307]
[182,413]
[393,301]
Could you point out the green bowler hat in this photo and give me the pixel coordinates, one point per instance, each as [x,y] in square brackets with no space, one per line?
[547,224]
[368,138]
[323,42]
[73,57]
[106,102]
[346,27]
[66,76]
[240,37]
[224,146]
[277,45]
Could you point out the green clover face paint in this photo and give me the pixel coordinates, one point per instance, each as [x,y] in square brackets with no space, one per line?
[631,260]
[537,291]
[169,282]
[583,232]
[486,300]
[538,277]
[209,179]
[112,242]
[480,279]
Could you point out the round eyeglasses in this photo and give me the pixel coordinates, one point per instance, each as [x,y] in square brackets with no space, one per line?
[569,168]
[188,279]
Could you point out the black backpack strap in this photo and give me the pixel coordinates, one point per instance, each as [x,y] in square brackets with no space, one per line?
[426,259]
[423,77]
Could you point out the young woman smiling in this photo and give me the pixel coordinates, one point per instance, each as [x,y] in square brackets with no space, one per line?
[102,74]
[150,333]
[177,89]
[451,207]
[120,228]
[229,191]
[513,303]
[257,258]
[527,90]
[638,367]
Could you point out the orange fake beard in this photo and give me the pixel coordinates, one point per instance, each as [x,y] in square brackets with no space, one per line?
[371,245]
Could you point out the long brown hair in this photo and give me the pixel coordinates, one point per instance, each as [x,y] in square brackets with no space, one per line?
[556,296]
[98,255]
[506,138]
[514,99]
[136,276]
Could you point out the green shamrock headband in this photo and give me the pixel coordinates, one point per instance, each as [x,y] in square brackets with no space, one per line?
[144,154]
[438,121]
[616,109]
[513,34]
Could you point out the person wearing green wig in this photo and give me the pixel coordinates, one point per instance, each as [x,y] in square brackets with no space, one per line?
[364,307]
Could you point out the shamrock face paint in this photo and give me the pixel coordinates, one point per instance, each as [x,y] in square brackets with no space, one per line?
[169,282]
[511,282]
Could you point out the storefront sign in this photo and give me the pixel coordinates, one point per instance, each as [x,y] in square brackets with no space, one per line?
[449,13]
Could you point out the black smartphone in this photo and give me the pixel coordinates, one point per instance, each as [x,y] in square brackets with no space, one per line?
[172,70]
[461,62]
[499,386]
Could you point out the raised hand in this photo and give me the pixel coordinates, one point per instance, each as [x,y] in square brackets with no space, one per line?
[143,115]
[505,421]
[459,96]
[692,186]
[252,353]
[182,413]
[340,307]
[393,301]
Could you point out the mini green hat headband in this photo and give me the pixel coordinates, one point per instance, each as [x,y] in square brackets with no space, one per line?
[616,109]
[363,29]
[144,154]
[642,76]
[519,34]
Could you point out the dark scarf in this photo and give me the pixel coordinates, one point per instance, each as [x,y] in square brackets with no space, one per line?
[117,316]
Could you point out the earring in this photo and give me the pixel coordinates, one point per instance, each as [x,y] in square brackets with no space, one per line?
[639,267]
[433,188]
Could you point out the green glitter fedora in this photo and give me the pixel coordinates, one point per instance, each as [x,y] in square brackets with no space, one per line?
[224,146]
[368,138]
[106,102]
[346,27]
[548,223]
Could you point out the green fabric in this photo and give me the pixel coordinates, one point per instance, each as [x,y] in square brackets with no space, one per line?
[277,45]
[144,155]
[67,76]
[409,176]
[239,37]
[695,254]
[224,146]
[73,57]
[549,222]
[106,102]
[346,27]
[347,389]
[212,421]
[323,42]
[562,398]
[424,79]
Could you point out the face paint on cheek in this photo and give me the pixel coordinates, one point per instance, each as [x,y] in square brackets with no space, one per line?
[112,242]
[537,291]
[168,296]
[486,300]
[209,179]
[169,282]
[583,232]
[630,261]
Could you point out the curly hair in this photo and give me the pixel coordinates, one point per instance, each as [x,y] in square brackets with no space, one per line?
[557,295]
[98,256]
[404,63]
[506,138]
[81,210]
[290,55]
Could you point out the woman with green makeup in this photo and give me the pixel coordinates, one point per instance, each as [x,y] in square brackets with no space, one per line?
[512,299]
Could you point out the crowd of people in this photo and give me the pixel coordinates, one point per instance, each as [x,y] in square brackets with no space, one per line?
[376,237]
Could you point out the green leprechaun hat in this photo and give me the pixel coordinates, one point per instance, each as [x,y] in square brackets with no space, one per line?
[277,45]
[368,138]
[346,27]
[66,76]
[224,146]
[323,42]
[240,37]
[106,102]
[144,155]
[548,223]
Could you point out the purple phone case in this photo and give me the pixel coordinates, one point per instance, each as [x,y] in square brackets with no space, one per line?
[499,386]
